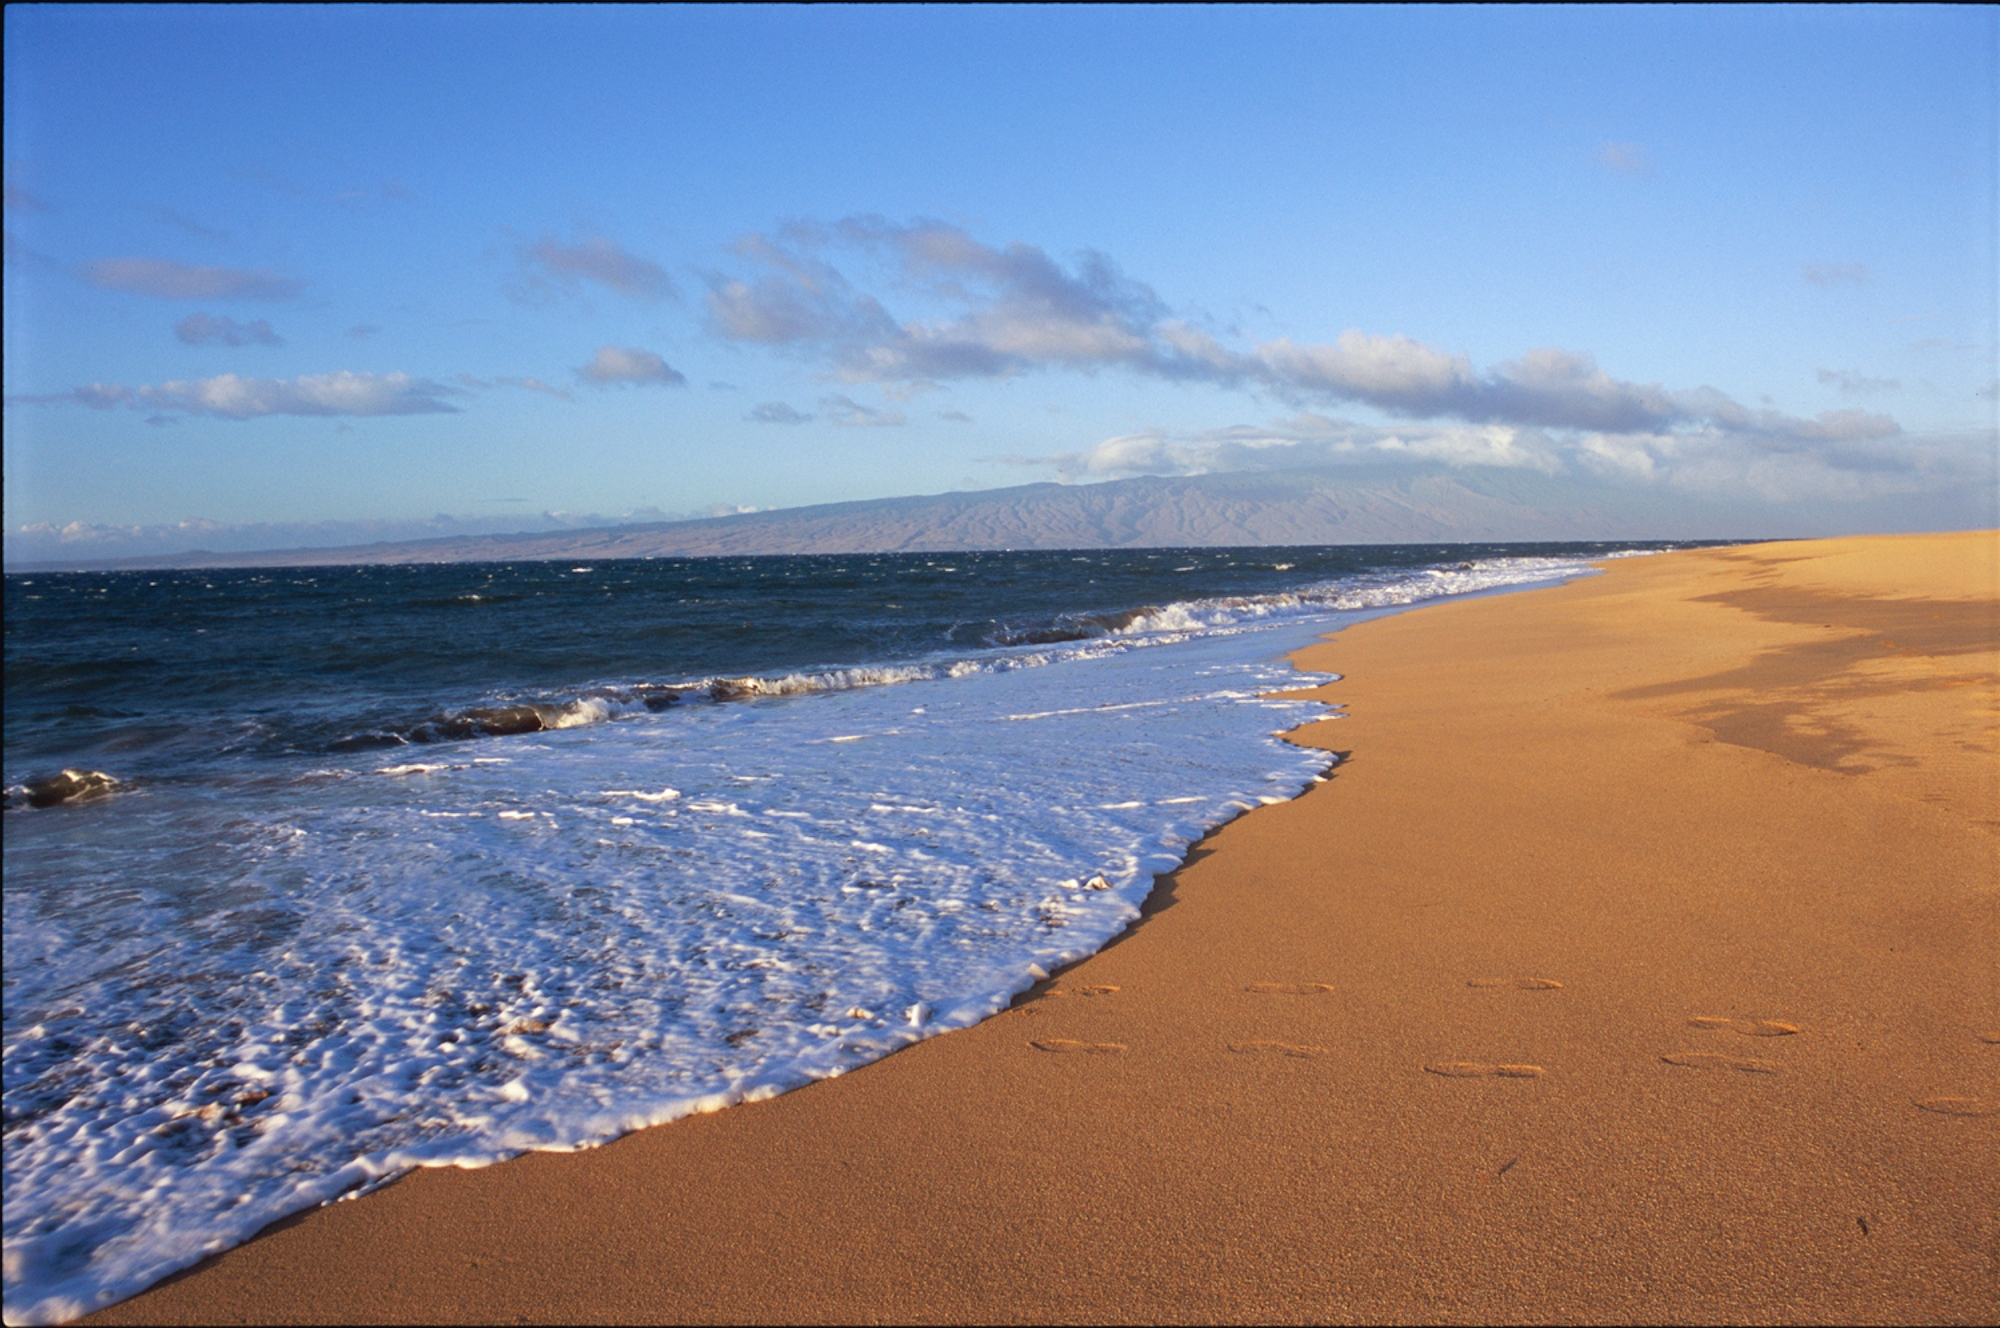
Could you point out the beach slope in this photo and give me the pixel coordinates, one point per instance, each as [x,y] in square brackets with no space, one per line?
[1638,962]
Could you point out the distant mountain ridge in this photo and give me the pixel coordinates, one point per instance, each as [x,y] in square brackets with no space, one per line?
[1345,505]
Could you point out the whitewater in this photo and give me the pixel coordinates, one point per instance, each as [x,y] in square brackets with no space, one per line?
[301,940]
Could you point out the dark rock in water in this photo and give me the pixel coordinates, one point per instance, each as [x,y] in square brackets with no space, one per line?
[657,697]
[483,722]
[498,721]
[69,786]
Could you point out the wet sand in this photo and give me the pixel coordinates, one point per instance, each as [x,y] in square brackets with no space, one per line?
[1637,963]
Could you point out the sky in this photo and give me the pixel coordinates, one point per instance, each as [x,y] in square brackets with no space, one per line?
[289,275]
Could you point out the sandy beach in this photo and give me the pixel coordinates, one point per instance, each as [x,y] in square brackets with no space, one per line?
[1637,963]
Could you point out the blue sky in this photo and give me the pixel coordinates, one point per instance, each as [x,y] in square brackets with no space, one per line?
[324,274]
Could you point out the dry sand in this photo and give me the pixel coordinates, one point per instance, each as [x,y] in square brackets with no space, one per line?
[1739,804]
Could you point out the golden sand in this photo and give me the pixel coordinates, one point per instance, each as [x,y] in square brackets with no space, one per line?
[1639,962]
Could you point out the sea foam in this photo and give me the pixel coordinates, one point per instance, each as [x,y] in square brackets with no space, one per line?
[251,997]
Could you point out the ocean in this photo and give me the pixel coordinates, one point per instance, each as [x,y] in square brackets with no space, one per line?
[360,869]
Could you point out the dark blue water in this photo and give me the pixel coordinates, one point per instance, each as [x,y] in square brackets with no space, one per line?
[150,673]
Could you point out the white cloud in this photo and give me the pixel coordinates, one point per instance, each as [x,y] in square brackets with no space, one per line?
[776,412]
[629,365]
[178,281]
[212,330]
[233,397]
[1847,380]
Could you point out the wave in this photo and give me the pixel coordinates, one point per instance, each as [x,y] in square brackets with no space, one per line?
[1076,635]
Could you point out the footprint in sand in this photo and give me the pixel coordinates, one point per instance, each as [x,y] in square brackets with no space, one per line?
[1085,991]
[1289,988]
[1274,1049]
[1480,1070]
[1517,984]
[1960,1106]
[1064,1046]
[1747,1027]
[1715,1060]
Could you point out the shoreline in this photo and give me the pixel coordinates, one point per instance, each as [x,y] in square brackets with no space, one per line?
[1293,1105]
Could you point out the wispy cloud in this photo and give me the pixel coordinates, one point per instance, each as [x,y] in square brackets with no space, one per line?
[531,384]
[849,413]
[1825,275]
[597,260]
[1025,311]
[629,365]
[166,280]
[1847,380]
[19,199]
[360,330]
[537,385]
[325,193]
[234,397]
[389,191]
[1625,158]
[212,330]
[190,225]
[776,412]
[1022,311]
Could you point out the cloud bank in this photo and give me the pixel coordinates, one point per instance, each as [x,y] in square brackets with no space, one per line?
[86,540]
[1709,462]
